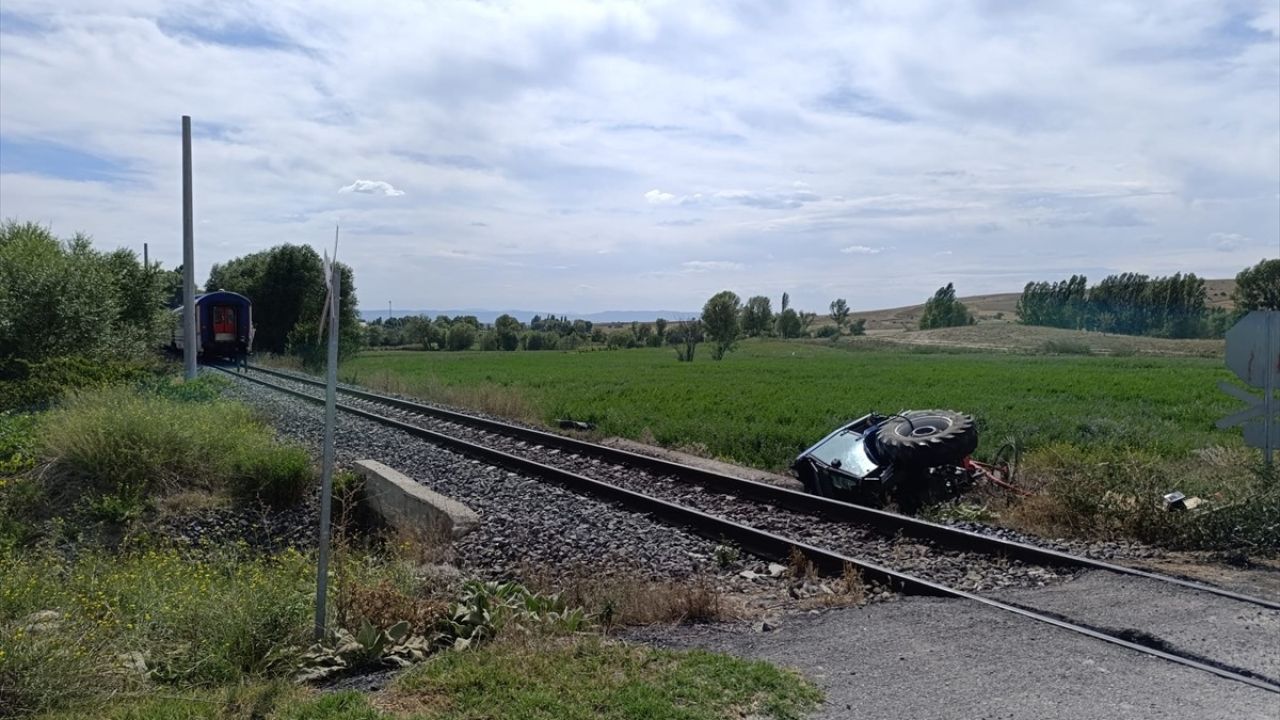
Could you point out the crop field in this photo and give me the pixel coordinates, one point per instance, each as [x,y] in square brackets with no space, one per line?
[769,400]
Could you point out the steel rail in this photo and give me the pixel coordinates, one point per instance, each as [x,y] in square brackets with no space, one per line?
[882,520]
[763,543]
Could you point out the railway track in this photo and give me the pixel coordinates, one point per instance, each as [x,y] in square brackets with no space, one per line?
[772,521]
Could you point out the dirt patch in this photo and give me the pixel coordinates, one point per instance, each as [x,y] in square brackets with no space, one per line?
[703,463]
[1012,337]
[1259,577]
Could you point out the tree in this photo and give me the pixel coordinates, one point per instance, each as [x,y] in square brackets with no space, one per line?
[757,316]
[461,336]
[858,327]
[686,339]
[660,329]
[944,310]
[287,287]
[507,329]
[720,322]
[840,312]
[63,298]
[786,303]
[1258,287]
[789,324]
[806,319]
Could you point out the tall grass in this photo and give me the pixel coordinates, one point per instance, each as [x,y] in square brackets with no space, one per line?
[77,629]
[119,446]
[1102,493]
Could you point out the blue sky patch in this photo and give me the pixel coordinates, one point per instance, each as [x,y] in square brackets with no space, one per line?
[36,157]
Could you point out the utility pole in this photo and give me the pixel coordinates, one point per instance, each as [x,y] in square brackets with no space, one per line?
[188,259]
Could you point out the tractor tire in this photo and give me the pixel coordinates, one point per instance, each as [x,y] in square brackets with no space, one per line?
[927,438]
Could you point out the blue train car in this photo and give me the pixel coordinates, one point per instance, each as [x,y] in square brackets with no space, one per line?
[224,326]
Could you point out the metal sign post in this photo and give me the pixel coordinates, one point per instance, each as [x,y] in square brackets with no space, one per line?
[1253,354]
[188,259]
[333,279]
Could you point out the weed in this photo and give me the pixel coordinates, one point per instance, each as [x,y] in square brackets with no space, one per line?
[726,555]
[800,567]
[621,600]
[1100,494]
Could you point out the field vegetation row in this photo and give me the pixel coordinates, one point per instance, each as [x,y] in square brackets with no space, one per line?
[1102,437]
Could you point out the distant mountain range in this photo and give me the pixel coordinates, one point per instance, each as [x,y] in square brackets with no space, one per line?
[488,316]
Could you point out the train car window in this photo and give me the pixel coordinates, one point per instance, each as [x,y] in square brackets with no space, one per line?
[224,323]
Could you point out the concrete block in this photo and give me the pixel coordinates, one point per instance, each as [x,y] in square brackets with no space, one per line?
[410,506]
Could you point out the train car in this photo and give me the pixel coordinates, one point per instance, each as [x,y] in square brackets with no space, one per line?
[224,326]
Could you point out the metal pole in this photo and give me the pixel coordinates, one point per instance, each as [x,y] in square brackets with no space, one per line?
[188,259]
[326,482]
[1269,387]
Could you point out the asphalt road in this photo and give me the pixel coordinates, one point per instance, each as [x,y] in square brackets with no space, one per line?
[937,658]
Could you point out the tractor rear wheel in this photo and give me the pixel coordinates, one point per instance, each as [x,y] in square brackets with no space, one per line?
[927,438]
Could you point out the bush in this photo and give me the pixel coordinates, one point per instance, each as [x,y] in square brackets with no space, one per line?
[120,444]
[1102,492]
[64,298]
[828,331]
[27,384]
[276,475]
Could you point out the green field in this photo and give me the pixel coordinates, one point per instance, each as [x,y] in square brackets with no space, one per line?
[769,400]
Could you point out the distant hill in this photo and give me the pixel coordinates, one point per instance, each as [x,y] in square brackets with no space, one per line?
[488,316]
[1003,306]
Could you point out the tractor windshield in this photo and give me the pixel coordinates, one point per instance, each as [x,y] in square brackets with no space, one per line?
[846,450]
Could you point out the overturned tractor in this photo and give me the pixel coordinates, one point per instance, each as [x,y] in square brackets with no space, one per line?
[911,458]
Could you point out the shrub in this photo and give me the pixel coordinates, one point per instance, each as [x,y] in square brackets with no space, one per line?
[1104,492]
[120,443]
[27,384]
[63,297]
[277,475]
[828,331]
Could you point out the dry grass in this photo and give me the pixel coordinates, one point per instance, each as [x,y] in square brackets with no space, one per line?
[800,567]
[1011,337]
[1095,495]
[499,400]
[622,601]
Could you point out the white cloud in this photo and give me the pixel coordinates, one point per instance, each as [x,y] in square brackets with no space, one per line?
[861,250]
[1228,242]
[371,187]
[1043,139]
[709,265]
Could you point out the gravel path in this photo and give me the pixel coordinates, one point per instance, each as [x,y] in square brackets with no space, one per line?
[935,658]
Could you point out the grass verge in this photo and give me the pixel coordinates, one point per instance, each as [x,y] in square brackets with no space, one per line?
[587,678]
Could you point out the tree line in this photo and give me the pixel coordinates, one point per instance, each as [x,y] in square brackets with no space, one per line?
[1175,306]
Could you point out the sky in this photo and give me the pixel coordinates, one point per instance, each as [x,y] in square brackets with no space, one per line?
[579,157]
